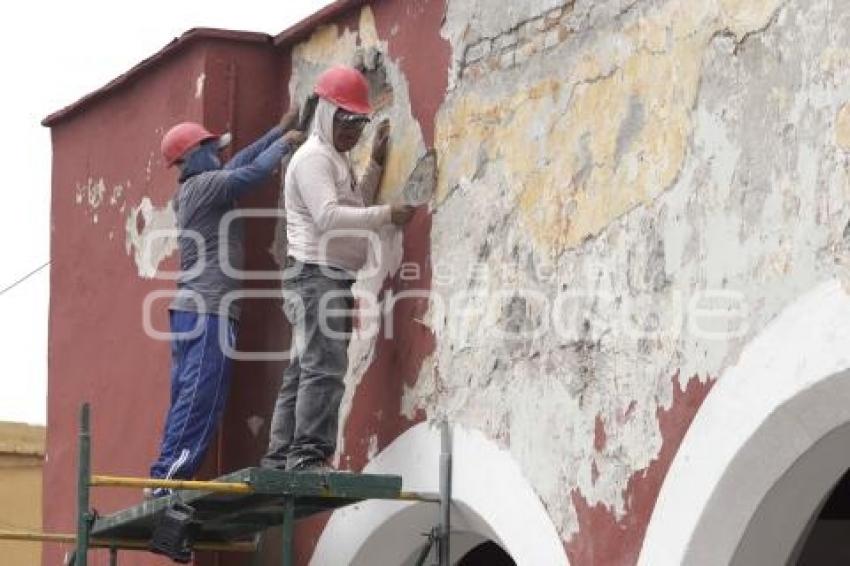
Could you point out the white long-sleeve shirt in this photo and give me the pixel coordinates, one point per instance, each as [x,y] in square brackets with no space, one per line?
[328,221]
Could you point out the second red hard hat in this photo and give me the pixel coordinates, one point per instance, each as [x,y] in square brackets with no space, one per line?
[346,87]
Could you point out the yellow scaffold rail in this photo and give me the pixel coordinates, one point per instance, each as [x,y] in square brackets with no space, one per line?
[211,486]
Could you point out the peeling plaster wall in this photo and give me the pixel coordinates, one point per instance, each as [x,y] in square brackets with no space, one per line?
[629,192]
[643,161]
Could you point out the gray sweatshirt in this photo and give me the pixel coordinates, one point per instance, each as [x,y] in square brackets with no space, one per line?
[207,194]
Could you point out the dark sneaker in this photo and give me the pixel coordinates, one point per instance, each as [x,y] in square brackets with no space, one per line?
[156,492]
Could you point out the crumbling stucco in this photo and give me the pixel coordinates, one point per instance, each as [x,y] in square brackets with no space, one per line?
[629,191]
[665,157]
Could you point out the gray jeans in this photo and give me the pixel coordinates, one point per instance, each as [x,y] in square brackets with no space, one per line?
[306,413]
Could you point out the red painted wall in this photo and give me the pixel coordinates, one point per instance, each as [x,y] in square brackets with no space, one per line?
[605,540]
[98,350]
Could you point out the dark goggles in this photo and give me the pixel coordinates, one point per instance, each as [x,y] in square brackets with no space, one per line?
[351,121]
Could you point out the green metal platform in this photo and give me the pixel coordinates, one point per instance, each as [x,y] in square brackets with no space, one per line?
[259,498]
[230,517]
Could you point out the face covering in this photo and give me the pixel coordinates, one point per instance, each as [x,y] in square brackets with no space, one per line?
[323,122]
[203,158]
[323,128]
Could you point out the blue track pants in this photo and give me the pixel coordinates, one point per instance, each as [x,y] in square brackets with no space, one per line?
[200,382]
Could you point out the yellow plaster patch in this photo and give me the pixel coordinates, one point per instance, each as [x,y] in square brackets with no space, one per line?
[744,16]
[368,28]
[835,59]
[576,162]
[588,66]
[652,36]
[842,128]
[326,46]
[567,194]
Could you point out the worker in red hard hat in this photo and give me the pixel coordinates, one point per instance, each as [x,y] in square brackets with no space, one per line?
[325,210]
[203,316]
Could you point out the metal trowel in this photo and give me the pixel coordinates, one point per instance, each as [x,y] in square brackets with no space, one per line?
[422,181]
[307,112]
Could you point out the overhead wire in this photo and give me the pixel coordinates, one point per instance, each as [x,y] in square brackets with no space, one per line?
[24,278]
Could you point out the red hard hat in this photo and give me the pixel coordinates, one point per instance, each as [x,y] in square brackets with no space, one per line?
[346,87]
[181,138]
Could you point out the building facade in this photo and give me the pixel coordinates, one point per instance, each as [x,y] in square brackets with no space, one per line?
[628,291]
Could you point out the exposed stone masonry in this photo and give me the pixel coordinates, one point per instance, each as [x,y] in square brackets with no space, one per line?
[517,45]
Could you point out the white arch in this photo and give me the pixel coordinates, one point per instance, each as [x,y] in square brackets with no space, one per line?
[773,418]
[492,500]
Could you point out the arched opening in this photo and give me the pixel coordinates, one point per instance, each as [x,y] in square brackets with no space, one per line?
[788,513]
[496,517]
[825,540]
[758,478]
[487,554]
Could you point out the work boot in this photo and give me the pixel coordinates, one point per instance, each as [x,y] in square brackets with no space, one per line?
[273,464]
[312,466]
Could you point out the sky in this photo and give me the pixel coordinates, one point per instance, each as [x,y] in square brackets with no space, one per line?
[53,54]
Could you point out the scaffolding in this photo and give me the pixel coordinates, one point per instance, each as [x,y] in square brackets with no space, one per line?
[232,512]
